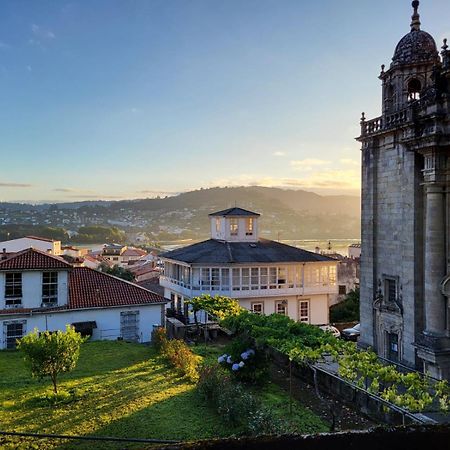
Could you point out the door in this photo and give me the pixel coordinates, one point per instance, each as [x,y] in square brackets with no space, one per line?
[129,326]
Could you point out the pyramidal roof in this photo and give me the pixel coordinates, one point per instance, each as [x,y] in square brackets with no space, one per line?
[234,212]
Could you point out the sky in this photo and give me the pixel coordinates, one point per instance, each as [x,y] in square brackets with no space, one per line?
[111,99]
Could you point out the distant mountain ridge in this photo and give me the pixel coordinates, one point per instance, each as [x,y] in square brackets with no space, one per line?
[295,214]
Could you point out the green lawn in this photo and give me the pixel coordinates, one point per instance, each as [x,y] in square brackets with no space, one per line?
[124,390]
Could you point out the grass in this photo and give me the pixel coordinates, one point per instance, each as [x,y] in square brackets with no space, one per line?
[122,390]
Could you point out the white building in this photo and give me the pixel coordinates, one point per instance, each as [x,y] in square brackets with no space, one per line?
[38,290]
[264,276]
[354,251]
[43,244]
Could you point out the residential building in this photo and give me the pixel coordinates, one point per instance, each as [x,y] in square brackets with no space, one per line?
[46,245]
[264,276]
[354,251]
[405,255]
[38,290]
[121,254]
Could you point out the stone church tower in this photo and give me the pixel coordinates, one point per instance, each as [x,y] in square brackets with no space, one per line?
[405,265]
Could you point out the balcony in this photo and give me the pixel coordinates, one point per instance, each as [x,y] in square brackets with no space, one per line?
[386,122]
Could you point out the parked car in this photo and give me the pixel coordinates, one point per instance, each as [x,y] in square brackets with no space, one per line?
[351,334]
[330,329]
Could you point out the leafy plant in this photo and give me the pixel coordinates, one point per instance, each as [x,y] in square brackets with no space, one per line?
[181,357]
[51,353]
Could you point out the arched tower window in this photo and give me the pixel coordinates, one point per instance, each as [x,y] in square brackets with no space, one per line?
[414,89]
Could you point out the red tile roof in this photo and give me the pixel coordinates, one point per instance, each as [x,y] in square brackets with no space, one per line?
[33,259]
[89,288]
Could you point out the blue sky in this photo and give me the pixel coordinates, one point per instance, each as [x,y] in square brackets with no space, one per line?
[134,98]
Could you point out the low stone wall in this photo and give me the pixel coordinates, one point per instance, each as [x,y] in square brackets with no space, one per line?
[329,383]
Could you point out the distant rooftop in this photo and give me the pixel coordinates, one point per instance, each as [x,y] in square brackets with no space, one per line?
[235,212]
[262,251]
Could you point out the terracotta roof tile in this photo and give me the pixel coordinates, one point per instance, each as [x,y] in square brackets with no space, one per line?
[33,259]
[93,289]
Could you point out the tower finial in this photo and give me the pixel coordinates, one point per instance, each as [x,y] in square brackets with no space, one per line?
[415,22]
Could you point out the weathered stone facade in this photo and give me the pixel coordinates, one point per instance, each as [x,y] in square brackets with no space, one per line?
[405,258]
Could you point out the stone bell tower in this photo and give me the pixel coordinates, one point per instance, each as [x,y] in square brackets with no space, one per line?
[405,257]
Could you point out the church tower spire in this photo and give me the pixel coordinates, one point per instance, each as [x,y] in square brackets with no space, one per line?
[415,19]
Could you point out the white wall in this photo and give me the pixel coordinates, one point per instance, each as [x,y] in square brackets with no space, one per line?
[318,306]
[32,289]
[17,245]
[108,321]
[224,233]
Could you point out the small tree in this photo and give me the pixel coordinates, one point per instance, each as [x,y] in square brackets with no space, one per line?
[219,307]
[49,354]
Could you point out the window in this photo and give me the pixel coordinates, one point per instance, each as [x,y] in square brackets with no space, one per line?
[332,275]
[217,225]
[249,226]
[236,279]
[391,290]
[234,226]
[206,280]
[215,279]
[14,331]
[258,308]
[393,346]
[13,289]
[264,277]
[226,279]
[342,289]
[281,277]
[50,287]
[245,279]
[272,277]
[255,278]
[115,258]
[324,275]
[281,307]
[303,311]
[291,276]
[414,88]
[299,276]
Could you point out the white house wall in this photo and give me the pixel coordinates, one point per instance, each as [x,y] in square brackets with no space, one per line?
[17,245]
[107,320]
[318,307]
[32,289]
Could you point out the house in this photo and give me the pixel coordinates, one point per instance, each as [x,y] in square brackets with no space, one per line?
[42,291]
[263,275]
[46,245]
[121,254]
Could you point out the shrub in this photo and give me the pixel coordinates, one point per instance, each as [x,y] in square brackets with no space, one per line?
[234,403]
[245,363]
[159,337]
[181,357]
[347,310]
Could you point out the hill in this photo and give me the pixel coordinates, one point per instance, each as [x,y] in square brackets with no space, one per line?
[291,214]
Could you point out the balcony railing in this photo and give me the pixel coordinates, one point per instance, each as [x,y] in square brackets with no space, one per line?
[385,122]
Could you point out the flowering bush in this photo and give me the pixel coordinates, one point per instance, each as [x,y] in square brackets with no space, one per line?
[245,363]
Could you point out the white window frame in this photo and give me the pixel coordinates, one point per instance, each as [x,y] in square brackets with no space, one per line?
[253,304]
[234,226]
[249,226]
[5,331]
[283,303]
[302,317]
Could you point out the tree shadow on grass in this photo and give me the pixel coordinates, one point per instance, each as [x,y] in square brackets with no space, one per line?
[182,417]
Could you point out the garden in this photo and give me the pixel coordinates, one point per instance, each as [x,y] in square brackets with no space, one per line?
[130,390]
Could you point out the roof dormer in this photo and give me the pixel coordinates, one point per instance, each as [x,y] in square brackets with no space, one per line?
[234,225]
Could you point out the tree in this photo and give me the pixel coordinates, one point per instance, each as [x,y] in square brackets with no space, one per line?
[117,271]
[51,353]
[219,307]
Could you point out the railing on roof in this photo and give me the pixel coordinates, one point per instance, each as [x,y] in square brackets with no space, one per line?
[385,122]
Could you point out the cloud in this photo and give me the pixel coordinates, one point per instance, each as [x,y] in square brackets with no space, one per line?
[63,190]
[279,153]
[94,196]
[308,163]
[42,33]
[350,162]
[156,192]
[15,185]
